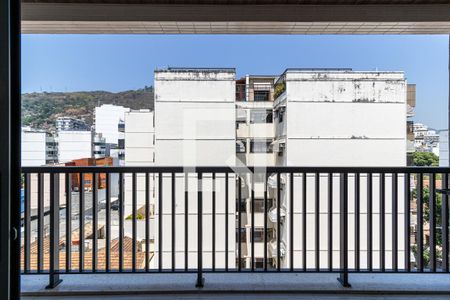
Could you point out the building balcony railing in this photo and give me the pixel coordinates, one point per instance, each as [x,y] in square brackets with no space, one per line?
[336,220]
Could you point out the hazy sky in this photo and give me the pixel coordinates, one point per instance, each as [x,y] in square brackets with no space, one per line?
[122,62]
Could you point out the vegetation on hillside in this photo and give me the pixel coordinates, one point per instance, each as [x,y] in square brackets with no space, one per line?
[40,110]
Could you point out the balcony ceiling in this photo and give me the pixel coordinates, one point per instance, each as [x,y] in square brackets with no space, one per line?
[237,16]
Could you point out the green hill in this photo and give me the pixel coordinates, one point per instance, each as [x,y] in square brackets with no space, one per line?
[40,110]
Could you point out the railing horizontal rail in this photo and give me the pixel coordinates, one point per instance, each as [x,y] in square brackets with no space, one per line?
[238,169]
[213,219]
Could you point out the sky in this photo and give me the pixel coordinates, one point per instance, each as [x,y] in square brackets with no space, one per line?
[121,62]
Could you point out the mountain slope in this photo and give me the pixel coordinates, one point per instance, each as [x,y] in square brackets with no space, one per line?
[40,110]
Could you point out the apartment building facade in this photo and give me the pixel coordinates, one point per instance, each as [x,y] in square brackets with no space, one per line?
[195,126]
[337,118]
[39,147]
[315,117]
[70,123]
[255,134]
[109,122]
[74,144]
[139,131]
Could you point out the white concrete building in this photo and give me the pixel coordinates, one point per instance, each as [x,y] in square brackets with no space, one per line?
[443,148]
[99,147]
[38,148]
[425,139]
[74,145]
[338,118]
[195,125]
[70,123]
[107,119]
[319,118]
[140,149]
[254,136]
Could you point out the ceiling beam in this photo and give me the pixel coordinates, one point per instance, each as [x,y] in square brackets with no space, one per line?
[183,18]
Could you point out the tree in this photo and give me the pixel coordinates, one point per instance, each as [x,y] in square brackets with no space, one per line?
[423,159]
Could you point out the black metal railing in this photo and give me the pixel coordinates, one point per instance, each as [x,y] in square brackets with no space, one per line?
[341,220]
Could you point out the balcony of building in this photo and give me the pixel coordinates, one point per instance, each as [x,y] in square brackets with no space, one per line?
[354,226]
[362,201]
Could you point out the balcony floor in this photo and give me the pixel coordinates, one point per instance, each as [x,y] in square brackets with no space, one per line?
[233,286]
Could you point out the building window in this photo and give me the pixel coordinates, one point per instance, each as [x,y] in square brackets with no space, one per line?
[243,235]
[261,95]
[259,205]
[261,116]
[240,146]
[241,206]
[260,146]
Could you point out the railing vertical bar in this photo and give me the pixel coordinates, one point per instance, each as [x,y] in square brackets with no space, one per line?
[407,222]
[54,232]
[133,222]
[186,221]
[239,221]
[147,222]
[330,221]
[27,222]
[382,222]
[445,247]
[304,212]
[252,208]
[357,221]
[108,223]
[317,221]
[40,258]
[266,240]
[160,221]
[200,280]
[81,229]
[278,222]
[432,222]
[121,218]
[395,222]
[420,221]
[94,220]
[173,220]
[343,212]
[291,220]
[68,188]
[369,222]
[213,221]
[226,221]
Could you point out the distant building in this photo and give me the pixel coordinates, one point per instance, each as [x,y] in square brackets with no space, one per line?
[99,147]
[425,139]
[70,123]
[107,120]
[443,148]
[410,105]
[74,145]
[38,148]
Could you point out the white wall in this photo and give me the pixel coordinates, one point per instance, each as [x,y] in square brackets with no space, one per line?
[346,118]
[74,145]
[195,125]
[107,119]
[195,118]
[139,138]
[443,148]
[33,148]
[343,119]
